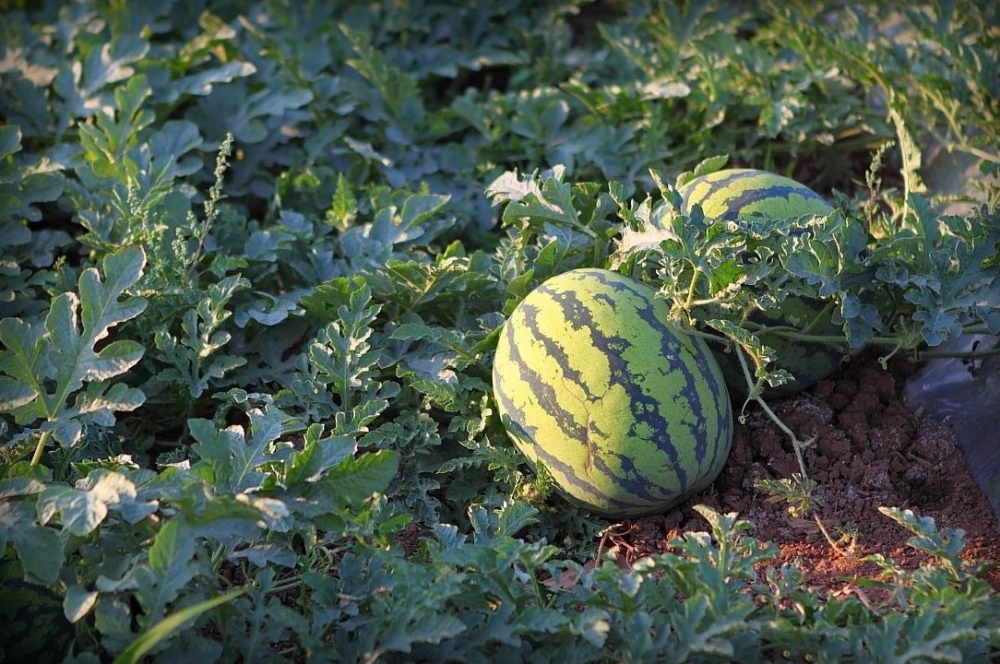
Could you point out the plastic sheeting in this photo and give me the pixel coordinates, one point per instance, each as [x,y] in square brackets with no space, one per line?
[967,396]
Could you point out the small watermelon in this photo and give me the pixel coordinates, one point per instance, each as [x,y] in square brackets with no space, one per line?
[745,194]
[627,413]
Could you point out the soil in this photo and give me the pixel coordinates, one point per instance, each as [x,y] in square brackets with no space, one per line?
[869,451]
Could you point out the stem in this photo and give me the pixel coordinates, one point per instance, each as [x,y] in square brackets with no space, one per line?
[39,448]
[692,290]
[797,445]
[829,538]
[962,146]
[705,302]
[794,335]
[818,318]
[884,360]
[218,556]
[708,336]
[754,392]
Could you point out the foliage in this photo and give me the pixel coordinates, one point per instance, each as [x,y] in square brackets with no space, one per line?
[254,263]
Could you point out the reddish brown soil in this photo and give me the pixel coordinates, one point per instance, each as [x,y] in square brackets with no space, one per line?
[869,451]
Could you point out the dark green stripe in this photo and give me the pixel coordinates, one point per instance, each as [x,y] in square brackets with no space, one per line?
[644,408]
[544,393]
[691,378]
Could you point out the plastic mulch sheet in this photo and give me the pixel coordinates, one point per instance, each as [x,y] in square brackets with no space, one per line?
[967,396]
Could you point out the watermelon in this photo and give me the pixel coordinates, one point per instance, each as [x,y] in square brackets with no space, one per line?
[627,413]
[743,195]
[35,629]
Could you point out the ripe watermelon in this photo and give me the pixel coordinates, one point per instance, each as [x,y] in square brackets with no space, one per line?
[627,413]
[744,194]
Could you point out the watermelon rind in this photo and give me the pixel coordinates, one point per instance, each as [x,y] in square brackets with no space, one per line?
[627,413]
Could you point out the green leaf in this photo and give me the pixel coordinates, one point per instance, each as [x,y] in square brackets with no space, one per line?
[20,188]
[39,547]
[11,487]
[82,509]
[78,602]
[214,451]
[304,465]
[14,393]
[429,628]
[172,566]
[355,479]
[946,546]
[418,209]
[704,167]
[192,359]
[10,140]
[173,548]
[64,356]
[593,624]
[119,493]
[515,516]
[203,82]
[231,460]
[343,206]
[109,63]
[100,406]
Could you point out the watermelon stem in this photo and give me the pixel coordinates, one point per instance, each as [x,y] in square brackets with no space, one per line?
[821,316]
[883,360]
[807,501]
[793,333]
[43,438]
[972,357]
[692,289]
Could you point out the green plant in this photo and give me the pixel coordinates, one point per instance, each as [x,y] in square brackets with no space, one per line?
[255,261]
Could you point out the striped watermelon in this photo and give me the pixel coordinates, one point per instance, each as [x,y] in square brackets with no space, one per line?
[744,194]
[627,413]
[34,627]
[741,194]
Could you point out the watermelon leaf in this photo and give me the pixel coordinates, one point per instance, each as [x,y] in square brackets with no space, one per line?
[355,479]
[78,602]
[45,366]
[171,566]
[230,459]
[39,548]
[81,509]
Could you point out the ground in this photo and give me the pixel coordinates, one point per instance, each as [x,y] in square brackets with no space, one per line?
[869,451]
